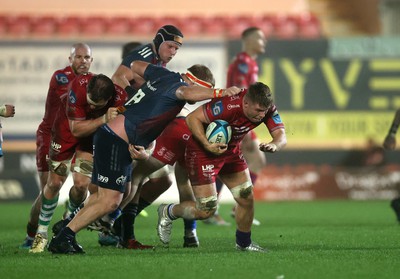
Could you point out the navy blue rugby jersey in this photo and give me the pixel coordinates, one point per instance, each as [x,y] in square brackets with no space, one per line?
[154,105]
[142,53]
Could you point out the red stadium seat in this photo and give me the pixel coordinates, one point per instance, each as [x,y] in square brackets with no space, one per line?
[68,26]
[265,23]
[44,26]
[309,26]
[286,27]
[236,25]
[19,26]
[214,26]
[119,26]
[3,24]
[191,26]
[93,26]
[143,26]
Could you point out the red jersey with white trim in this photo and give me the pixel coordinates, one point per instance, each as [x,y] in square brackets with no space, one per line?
[79,109]
[57,88]
[242,71]
[230,109]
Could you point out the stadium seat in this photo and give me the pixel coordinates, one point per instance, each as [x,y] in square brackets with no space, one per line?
[191,26]
[285,27]
[236,25]
[44,26]
[68,26]
[119,26]
[3,25]
[265,23]
[308,26]
[19,26]
[93,26]
[214,26]
[143,26]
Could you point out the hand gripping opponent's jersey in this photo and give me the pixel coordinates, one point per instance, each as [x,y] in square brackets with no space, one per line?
[79,109]
[154,106]
[230,109]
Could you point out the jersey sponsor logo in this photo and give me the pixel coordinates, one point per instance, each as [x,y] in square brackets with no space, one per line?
[208,170]
[102,178]
[217,108]
[152,88]
[72,97]
[62,79]
[243,68]
[55,146]
[230,106]
[277,119]
[120,180]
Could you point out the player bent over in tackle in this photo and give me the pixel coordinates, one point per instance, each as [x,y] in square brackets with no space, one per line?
[166,93]
[205,160]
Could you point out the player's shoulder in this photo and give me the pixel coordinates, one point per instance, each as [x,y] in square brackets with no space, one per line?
[143,53]
[63,76]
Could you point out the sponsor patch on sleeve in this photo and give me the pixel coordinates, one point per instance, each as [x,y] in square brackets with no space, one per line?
[276,118]
[72,97]
[217,108]
[62,78]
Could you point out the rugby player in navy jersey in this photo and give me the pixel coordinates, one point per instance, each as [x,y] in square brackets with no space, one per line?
[160,51]
[160,96]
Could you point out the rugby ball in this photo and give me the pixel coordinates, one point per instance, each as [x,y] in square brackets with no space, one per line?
[219,131]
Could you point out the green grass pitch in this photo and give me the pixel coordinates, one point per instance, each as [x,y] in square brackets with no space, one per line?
[316,239]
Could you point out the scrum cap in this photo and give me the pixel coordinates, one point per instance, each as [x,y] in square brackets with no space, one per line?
[167,33]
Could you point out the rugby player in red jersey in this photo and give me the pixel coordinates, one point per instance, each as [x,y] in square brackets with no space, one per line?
[92,101]
[205,161]
[80,60]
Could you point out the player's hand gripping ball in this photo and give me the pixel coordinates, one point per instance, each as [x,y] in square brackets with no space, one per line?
[219,131]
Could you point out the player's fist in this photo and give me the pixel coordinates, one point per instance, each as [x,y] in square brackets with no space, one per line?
[110,114]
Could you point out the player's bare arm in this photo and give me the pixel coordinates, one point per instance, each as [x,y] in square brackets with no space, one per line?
[84,128]
[122,76]
[196,93]
[278,141]
[195,121]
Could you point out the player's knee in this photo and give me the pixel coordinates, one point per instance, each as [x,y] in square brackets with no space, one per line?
[242,191]
[206,207]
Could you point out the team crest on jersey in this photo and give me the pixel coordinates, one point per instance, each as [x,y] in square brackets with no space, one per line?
[121,180]
[72,97]
[276,118]
[217,108]
[62,78]
[243,68]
